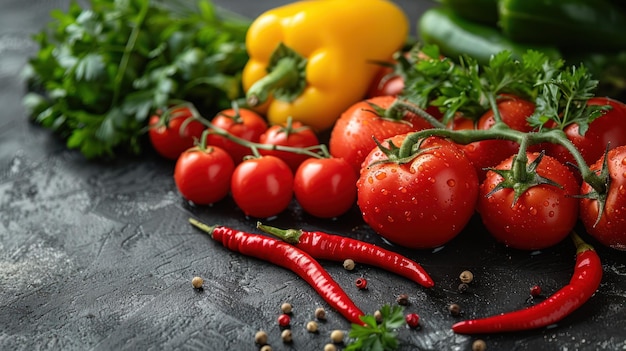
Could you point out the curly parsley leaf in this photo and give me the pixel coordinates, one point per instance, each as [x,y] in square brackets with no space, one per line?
[374,336]
[100,71]
[562,100]
[463,86]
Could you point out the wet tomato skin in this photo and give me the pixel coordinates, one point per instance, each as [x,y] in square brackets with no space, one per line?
[541,217]
[352,137]
[423,203]
[610,230]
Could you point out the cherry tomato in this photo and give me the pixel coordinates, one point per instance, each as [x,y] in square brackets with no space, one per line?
[423,203]
[488,153]
[168,140]
[325,187]
[542,216]
[611,228]
[292,135]
[246,124]
[609,129]
[353,133]
[202,176]
[386,83]
[262,187]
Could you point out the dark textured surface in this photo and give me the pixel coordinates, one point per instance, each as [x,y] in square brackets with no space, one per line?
[100,256]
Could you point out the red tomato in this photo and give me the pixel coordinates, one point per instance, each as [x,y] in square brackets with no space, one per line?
[353,133]
[297,135]
[377,155]
[168,140]
[609,128]
[386,83]
[423,203]
[488,153]
[262,187]
[247,125]
[203,176]
[611,229]
[325,187]
[541,217]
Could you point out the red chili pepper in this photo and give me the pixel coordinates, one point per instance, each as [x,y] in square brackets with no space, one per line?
[325,246]
[583,284]
[287,256]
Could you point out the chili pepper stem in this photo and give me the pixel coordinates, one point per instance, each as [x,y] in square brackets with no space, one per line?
[580,244]
[291,236]
[202,226]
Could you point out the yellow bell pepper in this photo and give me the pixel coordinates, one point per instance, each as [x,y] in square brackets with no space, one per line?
[311,60]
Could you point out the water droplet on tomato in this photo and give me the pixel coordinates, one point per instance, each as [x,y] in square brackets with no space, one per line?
[624,161]
[546,203]
[381,175]
[370,180]
[532,210]
[432,180]
[407,216]
[451,183]
[384,191]
[551,214]
[390,219]
[402,190]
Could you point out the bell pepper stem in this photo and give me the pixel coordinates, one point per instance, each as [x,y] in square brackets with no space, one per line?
[285,74]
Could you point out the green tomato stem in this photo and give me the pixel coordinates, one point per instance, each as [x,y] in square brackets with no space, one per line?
[322,151]
[502,131]
[520,171]
[401,105]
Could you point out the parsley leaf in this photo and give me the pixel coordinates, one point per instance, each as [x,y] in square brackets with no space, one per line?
[374,336]
[100,71]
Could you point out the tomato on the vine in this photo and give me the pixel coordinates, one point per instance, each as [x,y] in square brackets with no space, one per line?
[352,137]
[488,153]
[541,216]
[610,228]
[608,129]
[292,134]
[423,203]
[167,138]
[325,187]
[262,187]
[202,176]
[386,83]
[242,123]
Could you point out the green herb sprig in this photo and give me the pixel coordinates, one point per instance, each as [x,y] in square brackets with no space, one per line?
[374,336]
[103,69]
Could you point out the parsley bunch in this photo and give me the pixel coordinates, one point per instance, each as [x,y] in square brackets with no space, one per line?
[102,70]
